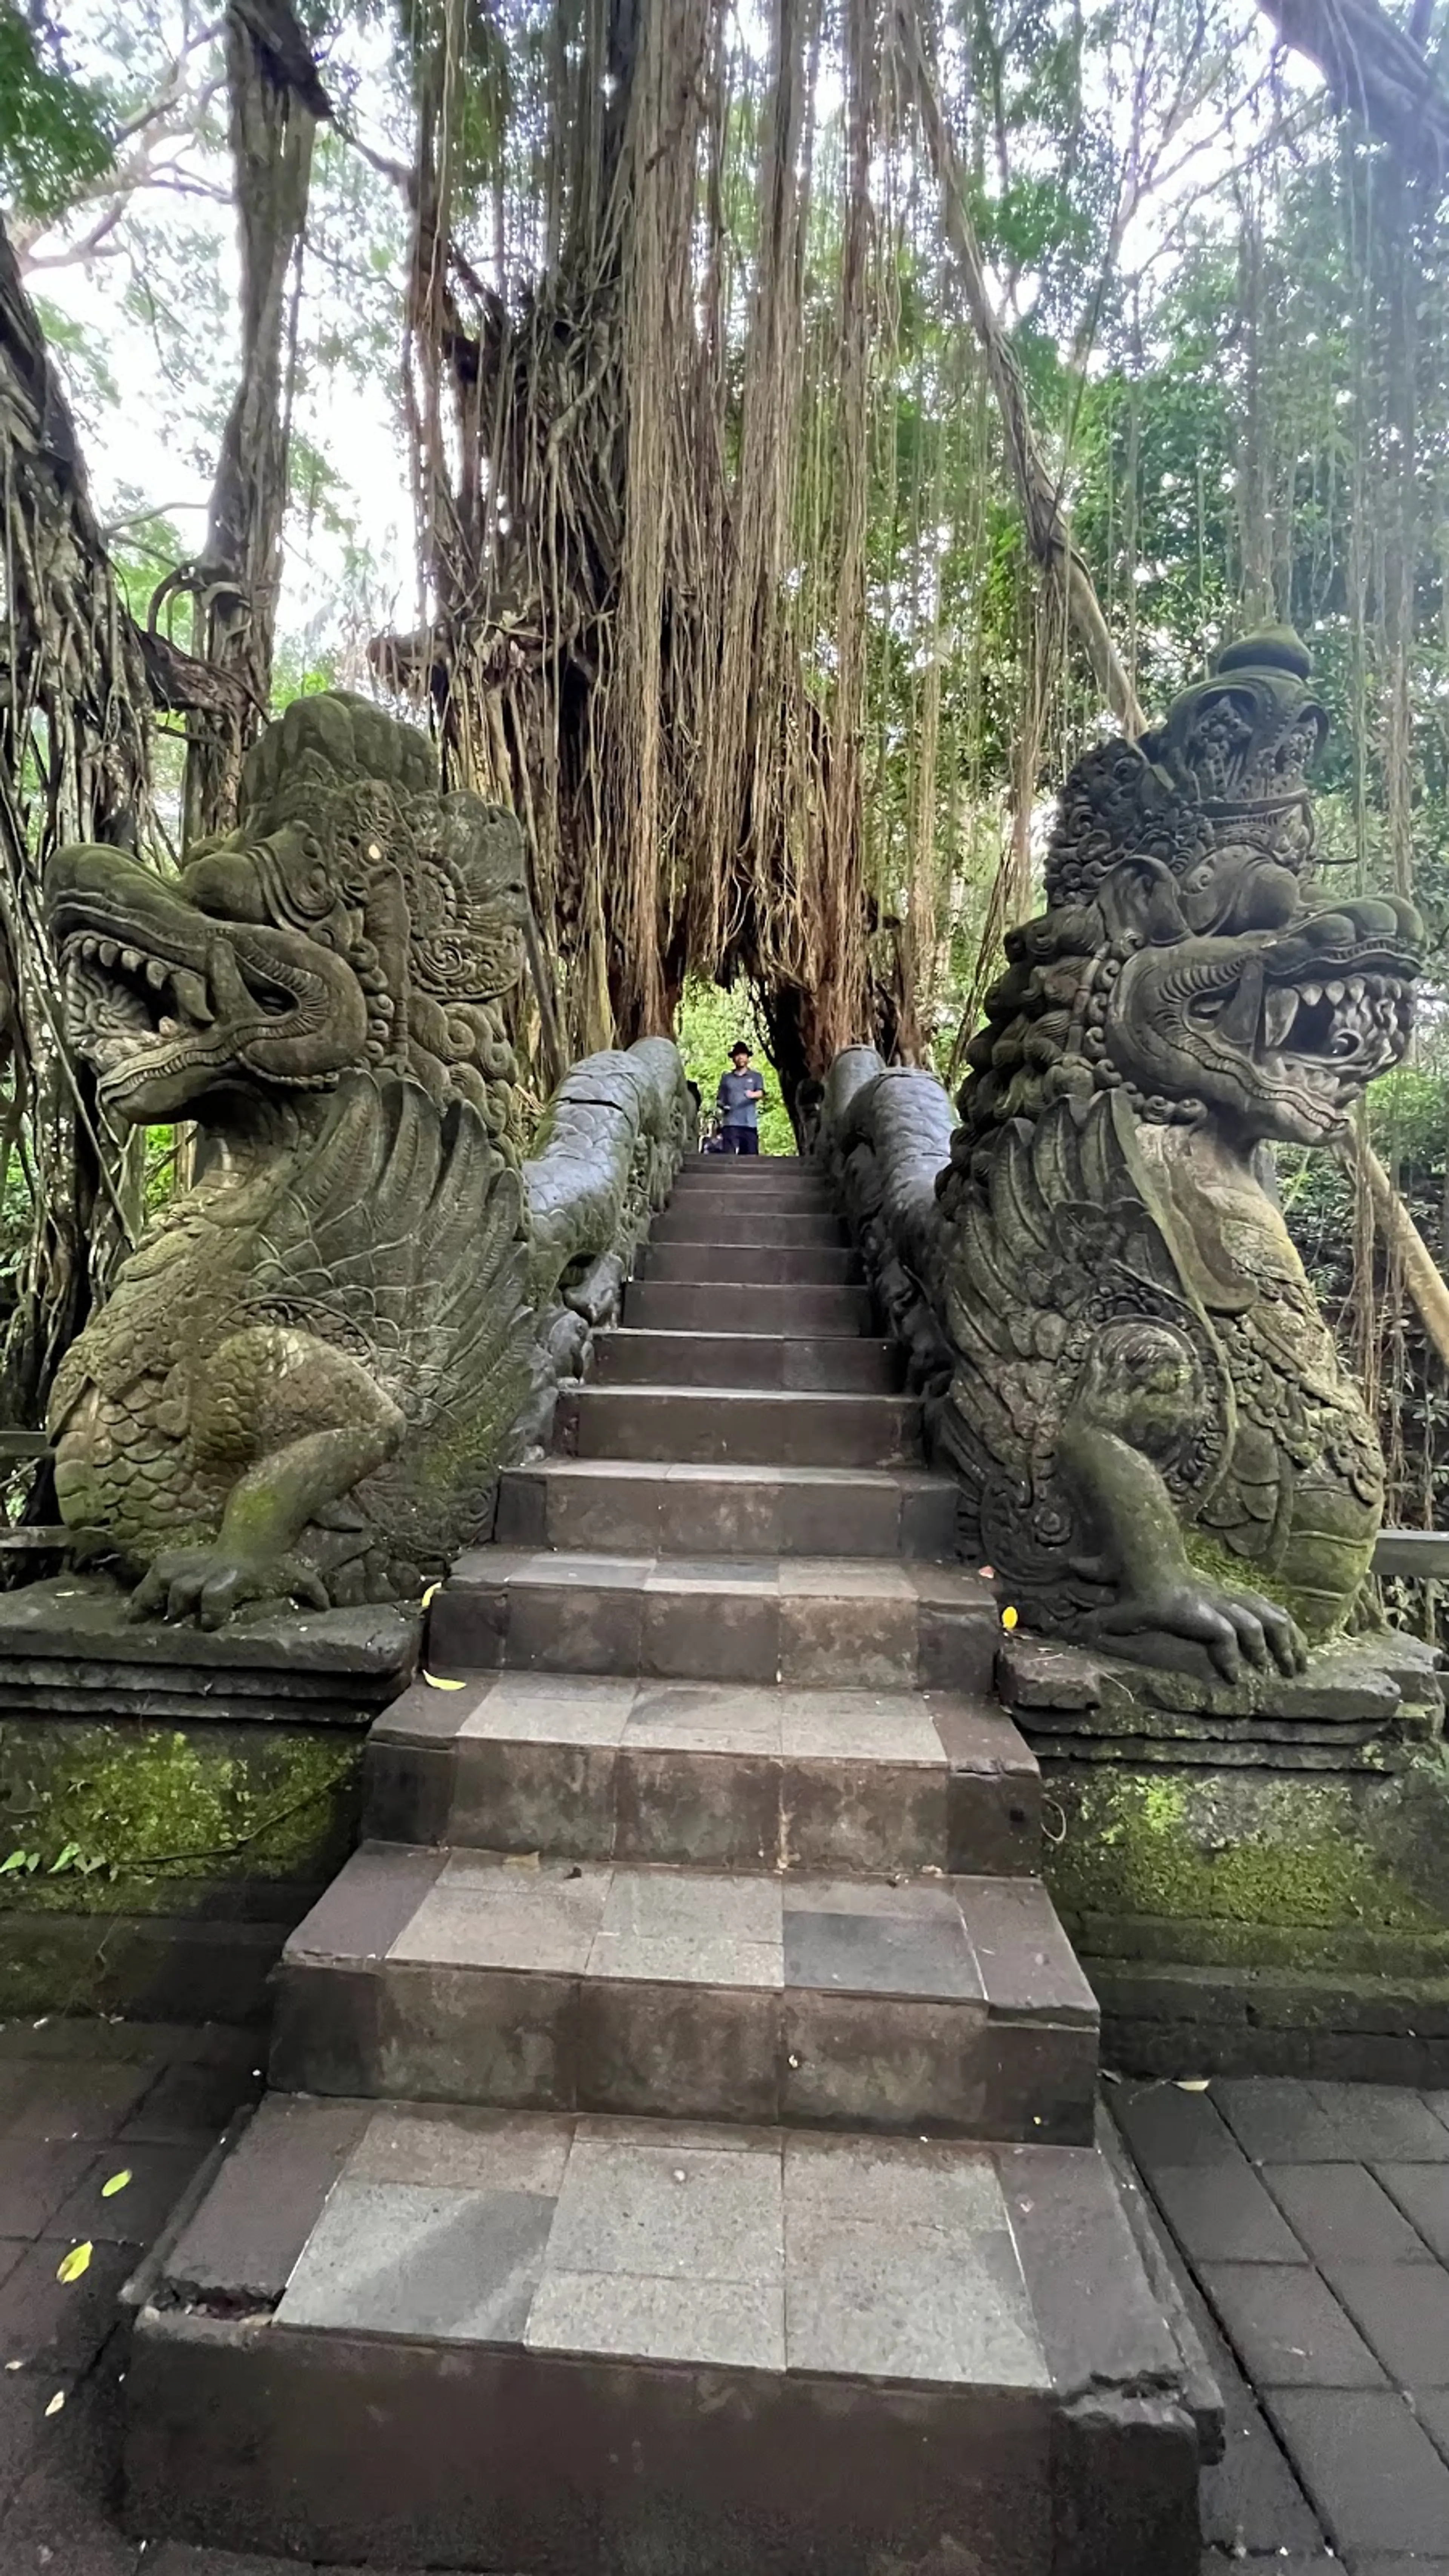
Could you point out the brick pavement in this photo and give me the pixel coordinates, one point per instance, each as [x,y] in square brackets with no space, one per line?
[1311,2221]
[82,2102]
[1311,2224]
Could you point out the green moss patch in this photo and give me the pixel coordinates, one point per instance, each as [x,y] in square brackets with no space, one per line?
[1241,1866]
[96,1809]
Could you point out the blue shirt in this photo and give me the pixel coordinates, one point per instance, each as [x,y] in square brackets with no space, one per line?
[739,1096]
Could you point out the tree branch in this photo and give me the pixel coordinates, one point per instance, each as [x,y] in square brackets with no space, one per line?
[1422,1276]
[1048,527]
[1375,71]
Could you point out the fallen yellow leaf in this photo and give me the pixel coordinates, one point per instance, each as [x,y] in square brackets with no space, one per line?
[435,1682]
[1193,2083]
[431,1594]
[118,2182]
[78,2260]
[1008,1617]
[56,2403]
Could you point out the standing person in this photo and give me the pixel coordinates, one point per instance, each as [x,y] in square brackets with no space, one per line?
[738,1101]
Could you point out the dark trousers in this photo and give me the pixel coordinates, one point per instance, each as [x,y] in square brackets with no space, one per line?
[740,1140]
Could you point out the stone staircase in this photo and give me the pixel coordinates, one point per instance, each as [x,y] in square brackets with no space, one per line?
[680,2155]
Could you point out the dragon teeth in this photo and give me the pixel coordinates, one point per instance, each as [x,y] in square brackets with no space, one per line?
[105,949]
[190,991]
[155,974]
[131,960]
[1280,1010]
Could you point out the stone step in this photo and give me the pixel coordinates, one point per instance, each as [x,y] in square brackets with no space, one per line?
[709,1775]
[949,2006]
[866,1623]
[572,2344]
[716,1264]
[674,1306]
[691,1223]
[759,1427]
[639,1506]
[762,1171]
[740,1212]
[743,1208]
[759,1177]
[808,1364]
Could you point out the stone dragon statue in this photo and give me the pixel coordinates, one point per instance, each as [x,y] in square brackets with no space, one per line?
[302,1382]
[1158,1445]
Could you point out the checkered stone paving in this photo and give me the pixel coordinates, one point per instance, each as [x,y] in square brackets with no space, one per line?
[1312,2221]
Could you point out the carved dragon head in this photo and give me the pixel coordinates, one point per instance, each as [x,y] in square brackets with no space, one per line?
[356,917]
[1177,957]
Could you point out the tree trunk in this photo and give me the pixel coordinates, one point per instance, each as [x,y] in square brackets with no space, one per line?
[236,583]
[1375,68]
[74,765]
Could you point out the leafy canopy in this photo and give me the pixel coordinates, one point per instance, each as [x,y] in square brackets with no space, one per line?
[55,130]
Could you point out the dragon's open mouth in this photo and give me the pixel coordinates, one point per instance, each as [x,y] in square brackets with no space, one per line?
[140,1018]
[1329,1034]
[1354,1024]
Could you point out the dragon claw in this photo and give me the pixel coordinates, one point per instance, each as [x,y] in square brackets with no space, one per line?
[208,1584]
[1231,1626]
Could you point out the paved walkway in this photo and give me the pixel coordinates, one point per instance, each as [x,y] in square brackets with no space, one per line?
[80,2104]
[1312,2220]
[1314,2223]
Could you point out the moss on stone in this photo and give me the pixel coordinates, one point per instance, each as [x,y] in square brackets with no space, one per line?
[168,1804]
[1242,1849]
[1238,1574]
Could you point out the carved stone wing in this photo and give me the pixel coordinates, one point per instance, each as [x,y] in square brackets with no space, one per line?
[1065,1243]
[400,1240]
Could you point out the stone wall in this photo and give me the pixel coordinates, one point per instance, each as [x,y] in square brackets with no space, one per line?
[171,1803]
[1257,1882]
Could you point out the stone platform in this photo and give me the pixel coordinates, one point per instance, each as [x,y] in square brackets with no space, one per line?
[680,2153]
[196,1791]
[1257,1877]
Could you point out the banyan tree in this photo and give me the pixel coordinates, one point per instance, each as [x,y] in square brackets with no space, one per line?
[821,422]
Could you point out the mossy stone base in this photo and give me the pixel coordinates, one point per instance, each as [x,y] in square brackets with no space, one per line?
[1211,1905]
[108,1823]
[133,1812]
[172,1801]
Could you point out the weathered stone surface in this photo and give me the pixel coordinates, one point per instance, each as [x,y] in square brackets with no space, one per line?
[1158,1447]
[73,1633]
[157,1818]
[1290,1824]
[1252,1867]
[1365,1687]
[308,1375]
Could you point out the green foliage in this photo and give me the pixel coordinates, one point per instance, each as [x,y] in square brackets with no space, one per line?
[707,1024]
[157,1806]
[55,130]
